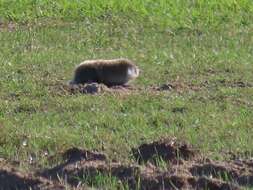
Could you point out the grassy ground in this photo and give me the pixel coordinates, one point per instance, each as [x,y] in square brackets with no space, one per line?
[207,44]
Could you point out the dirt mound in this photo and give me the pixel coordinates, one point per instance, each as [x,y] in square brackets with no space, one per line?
[167,149]
[10,179]
[92,88]
[178,86]
[81,164]
[183,169]
[89,88]
[190,173]
[240,172]
[76,154]
[167,181]
[175,176]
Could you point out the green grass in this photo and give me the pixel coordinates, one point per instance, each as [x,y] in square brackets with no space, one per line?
[177,13]
[195,42]
[103,181]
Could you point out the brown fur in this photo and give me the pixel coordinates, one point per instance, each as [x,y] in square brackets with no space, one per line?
[109,72]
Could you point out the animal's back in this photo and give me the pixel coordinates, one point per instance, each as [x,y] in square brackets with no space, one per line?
[85,73]
[114,72]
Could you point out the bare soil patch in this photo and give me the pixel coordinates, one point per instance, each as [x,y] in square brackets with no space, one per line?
[236,84]
[167,149]
[12,179]
[181,86]
[178,86]
[7,26]
[184,169]
[90,88]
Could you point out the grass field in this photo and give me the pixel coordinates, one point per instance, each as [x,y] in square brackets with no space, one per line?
[203,44]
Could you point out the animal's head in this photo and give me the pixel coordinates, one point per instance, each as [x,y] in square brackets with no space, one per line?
[133,72]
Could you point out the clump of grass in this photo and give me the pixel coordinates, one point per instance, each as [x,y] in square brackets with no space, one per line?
[105,181]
